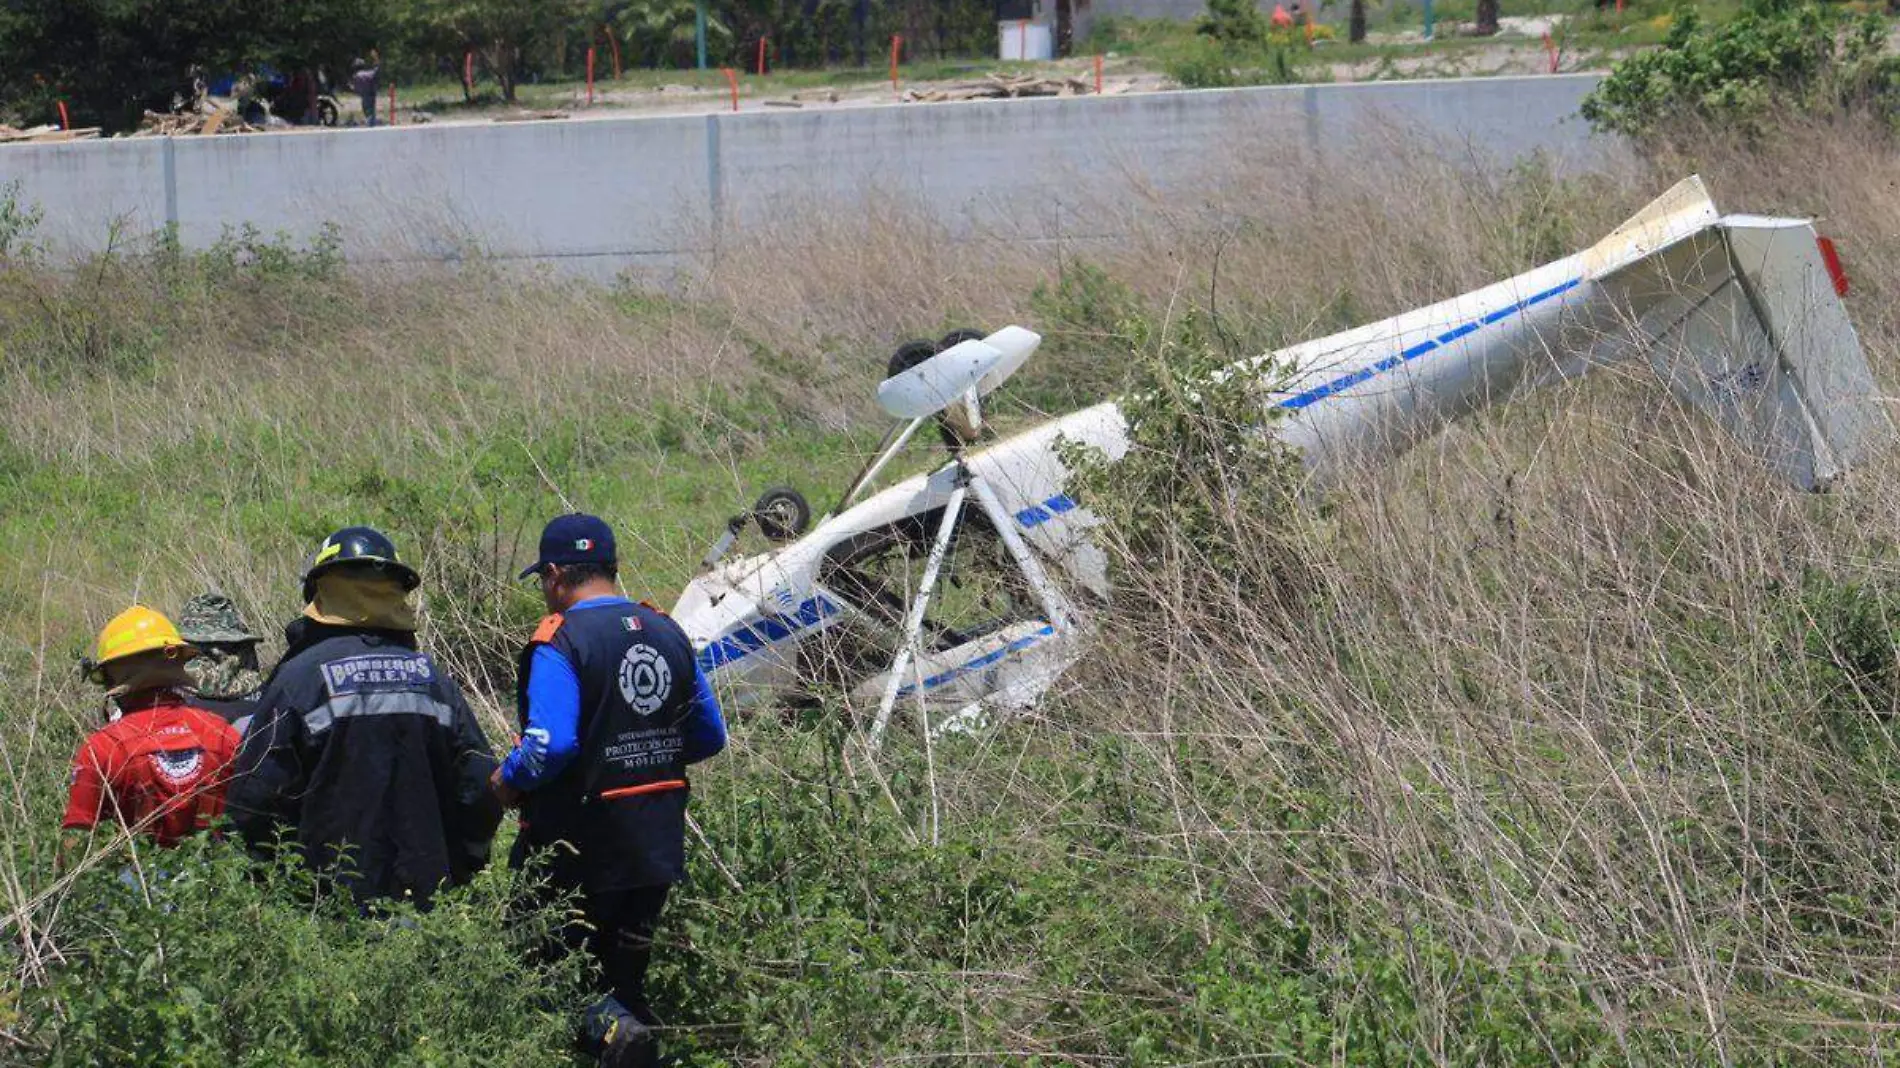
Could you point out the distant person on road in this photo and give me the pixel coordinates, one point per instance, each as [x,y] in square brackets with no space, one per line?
[365,79]
[300,98]
[160,766]
[224,674]
[363,751]
[612,707]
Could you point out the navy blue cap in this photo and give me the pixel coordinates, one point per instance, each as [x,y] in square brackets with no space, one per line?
[574,539]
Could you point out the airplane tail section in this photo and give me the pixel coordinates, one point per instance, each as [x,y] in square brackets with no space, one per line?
[1741,317]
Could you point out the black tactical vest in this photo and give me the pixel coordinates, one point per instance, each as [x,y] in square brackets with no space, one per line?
[621,805]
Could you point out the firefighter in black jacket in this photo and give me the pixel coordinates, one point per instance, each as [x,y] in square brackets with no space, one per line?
[613,708]
[363,750]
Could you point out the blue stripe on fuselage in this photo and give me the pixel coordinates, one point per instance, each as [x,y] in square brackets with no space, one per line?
[1353,378]
[981,662]
[1037,514]
[750,638]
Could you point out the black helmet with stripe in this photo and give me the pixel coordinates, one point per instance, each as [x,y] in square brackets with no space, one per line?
[358,547]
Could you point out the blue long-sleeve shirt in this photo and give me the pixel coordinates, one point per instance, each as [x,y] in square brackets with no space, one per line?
[551,740]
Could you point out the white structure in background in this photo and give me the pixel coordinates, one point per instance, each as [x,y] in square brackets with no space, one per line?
[1019,39]
[963,589]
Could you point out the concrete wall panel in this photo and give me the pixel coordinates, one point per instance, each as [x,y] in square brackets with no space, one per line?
[598,195]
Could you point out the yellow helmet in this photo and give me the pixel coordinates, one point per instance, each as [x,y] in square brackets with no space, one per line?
[137,630]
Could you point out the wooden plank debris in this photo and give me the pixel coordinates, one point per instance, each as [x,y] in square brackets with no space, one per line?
[529,116]
[44,134]
[208,122]
[1002,87]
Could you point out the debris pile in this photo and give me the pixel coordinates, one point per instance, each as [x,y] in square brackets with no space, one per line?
[45,133]
[1003,86]
[212,120]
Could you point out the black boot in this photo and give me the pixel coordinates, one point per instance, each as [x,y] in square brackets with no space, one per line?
[618,1037]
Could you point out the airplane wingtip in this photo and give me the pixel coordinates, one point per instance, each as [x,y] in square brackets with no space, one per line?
[1684,209]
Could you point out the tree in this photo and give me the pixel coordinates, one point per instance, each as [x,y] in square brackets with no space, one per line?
[1356,29]
[662,33]
[499,31]
[1487,18]
[110,60]
[1235,22]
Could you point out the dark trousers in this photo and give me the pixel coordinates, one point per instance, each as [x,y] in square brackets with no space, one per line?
[616,929]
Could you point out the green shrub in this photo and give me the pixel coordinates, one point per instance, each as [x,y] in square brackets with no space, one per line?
[851,940]
[1202,65]
[1205,64]
[1849,632]
[197,956]
[1807,57]
[17,223]
[1201,472]
[1234,22]
[1081,316]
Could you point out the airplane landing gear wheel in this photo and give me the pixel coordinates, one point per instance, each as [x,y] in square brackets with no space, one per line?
[912,353]
[782,512]
[909,355]
[958,337]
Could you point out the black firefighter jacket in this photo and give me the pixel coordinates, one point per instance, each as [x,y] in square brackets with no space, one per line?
[365,755]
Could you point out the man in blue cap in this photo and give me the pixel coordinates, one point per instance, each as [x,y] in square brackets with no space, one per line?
[612,707]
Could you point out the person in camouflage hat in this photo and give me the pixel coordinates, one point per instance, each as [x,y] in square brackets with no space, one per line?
[226,673]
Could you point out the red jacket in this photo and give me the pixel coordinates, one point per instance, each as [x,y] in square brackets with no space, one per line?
[160,768]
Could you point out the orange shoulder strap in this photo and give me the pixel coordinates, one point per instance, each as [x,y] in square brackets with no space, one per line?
[548,626]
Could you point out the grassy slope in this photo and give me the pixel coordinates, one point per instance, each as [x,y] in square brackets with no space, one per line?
[1503,791]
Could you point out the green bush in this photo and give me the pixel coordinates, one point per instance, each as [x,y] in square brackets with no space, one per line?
[1849,632]
[1204,64]
[853,940]
[1201,472]
[198,956]
[1234,22]
[1081,315]
[1807,57]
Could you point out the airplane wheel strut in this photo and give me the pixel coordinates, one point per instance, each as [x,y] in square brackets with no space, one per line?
[782,513]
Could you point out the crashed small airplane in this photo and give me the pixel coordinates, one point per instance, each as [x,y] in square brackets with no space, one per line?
[964,589]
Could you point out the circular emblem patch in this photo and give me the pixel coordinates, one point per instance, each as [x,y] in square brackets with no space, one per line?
[645,679]
[179,766]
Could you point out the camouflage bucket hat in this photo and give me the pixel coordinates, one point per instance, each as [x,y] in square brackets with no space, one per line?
[211,617]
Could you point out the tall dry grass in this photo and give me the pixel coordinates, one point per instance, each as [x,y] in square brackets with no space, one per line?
[1583,684]
[1578,685]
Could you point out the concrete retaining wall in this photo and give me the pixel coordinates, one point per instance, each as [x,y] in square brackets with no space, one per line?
[596,196]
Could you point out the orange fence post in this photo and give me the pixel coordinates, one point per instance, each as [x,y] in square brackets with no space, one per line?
[897,45]
[590,75]
[468,72]
[1309,29]
[761,57]
[613,43]
[732,79]
[1022,39]
[65,120]
[1552,49]
[1098,74]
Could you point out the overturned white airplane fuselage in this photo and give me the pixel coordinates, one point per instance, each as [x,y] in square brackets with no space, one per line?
[1741,316]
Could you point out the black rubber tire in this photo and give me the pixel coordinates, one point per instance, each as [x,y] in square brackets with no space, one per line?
[327,112]
[909,355]
[958,337]
[782,513]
